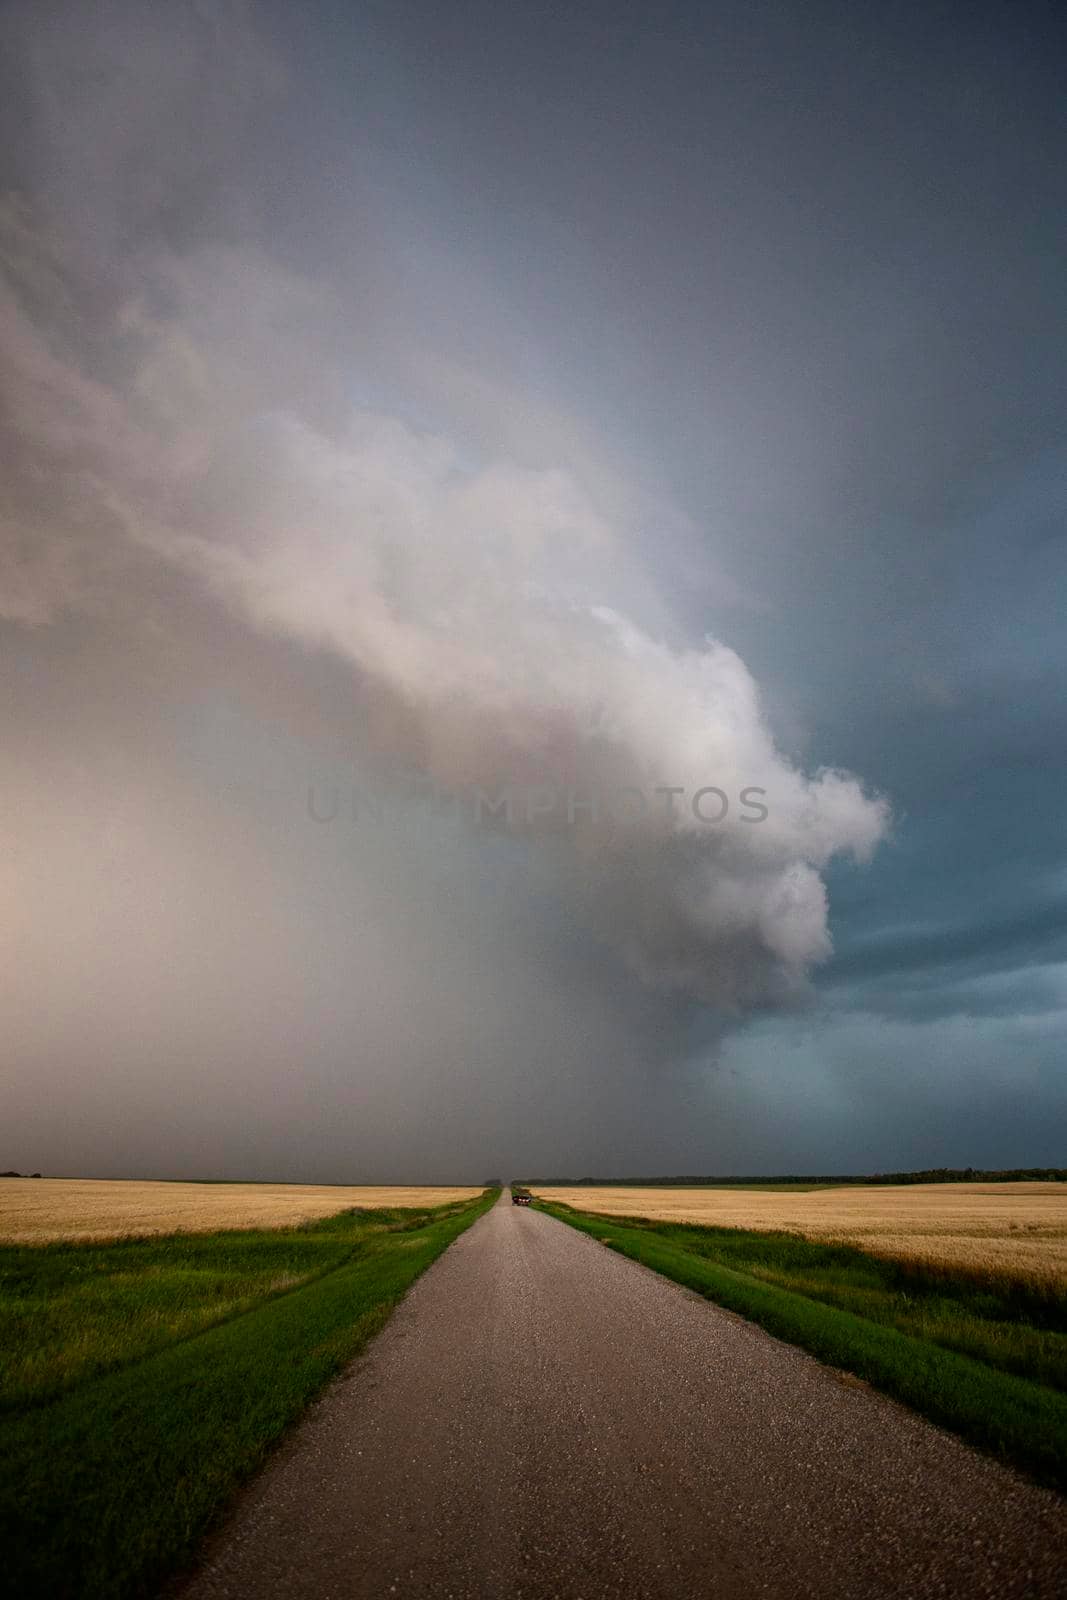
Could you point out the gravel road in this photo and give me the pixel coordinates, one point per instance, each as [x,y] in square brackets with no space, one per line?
[545,1420]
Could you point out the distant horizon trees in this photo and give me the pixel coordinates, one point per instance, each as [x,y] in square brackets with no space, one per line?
[925,1175]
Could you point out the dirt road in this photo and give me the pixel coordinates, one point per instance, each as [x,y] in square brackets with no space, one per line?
[544,1420]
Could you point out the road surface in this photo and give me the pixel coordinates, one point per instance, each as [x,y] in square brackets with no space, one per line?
[545,1420]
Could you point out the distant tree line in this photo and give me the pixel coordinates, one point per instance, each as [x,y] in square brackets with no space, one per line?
[20,1174]
[928,1175]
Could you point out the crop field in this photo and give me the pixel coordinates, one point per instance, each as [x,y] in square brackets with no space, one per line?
[1011,1230]
[37,1210]
[146,1376]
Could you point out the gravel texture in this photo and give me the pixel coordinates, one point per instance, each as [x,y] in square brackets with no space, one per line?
[545,1420]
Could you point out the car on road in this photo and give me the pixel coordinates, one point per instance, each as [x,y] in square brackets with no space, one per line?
[521,1199]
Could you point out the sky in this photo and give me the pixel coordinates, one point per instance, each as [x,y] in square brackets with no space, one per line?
[531,573]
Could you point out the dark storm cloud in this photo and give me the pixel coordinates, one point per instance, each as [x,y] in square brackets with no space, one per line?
[786,232]
[618,331]
[971,946]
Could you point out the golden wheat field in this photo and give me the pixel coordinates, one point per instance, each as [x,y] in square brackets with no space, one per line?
[1016,1228]
[35,1210]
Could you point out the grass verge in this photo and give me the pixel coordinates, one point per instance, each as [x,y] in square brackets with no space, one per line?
[111,1471]
[988,1361]
[72,1311]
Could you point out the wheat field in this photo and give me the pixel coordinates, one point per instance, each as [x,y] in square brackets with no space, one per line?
[1018,1229]
[37,1210]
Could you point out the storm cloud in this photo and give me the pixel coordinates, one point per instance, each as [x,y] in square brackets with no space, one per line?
[313,482]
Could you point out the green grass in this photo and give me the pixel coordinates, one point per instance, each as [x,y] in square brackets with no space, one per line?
[72,1311]
[978,1354]
[148,1378]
